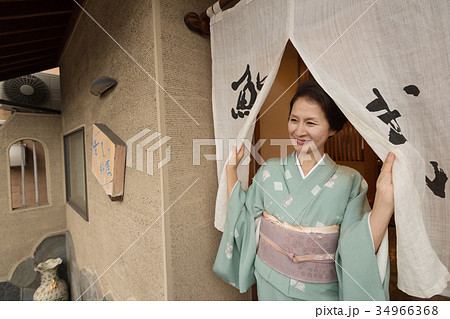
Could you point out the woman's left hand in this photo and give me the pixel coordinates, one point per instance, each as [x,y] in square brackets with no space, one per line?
[385,186]
[383,206]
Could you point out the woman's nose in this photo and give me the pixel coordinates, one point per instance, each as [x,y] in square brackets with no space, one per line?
[300,130]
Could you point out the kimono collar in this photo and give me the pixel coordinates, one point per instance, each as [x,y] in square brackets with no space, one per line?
[297,162]
[320,175]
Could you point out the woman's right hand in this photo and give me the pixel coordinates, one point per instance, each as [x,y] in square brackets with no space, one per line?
[236,157]
[232,165]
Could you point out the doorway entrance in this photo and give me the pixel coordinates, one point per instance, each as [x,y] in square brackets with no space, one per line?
[347,147]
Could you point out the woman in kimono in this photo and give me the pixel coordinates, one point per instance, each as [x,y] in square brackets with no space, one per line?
[304,230]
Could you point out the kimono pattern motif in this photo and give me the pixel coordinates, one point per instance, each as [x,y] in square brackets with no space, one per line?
[329,195]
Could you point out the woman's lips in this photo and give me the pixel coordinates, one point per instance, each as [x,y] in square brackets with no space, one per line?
[301,142]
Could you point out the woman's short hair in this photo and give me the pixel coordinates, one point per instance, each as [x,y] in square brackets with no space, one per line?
[312,91]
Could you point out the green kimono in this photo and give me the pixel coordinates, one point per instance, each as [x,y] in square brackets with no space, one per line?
[329,195]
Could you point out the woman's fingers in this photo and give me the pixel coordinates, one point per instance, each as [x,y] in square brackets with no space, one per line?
[236,157]
[384,196]
[385,178]
[232,160]
[388,163]
[240,155]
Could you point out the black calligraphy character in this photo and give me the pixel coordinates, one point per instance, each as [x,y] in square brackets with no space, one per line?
[412,89]
[389,118]
[259,83]
[248,89]
[437,185]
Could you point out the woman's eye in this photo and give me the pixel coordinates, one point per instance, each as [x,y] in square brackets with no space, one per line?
[310,123]
[293,120]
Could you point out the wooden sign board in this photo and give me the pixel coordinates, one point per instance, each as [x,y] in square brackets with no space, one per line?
[108,160]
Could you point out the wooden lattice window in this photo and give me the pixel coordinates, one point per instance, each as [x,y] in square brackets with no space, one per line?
[346,146]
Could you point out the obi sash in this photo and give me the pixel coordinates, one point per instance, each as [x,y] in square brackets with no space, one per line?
[302,253]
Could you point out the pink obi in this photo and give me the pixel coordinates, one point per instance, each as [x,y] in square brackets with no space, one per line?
[302,253]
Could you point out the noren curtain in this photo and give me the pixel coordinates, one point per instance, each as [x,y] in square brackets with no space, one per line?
[385,63]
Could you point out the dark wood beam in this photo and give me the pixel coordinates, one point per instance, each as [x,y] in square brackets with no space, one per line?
[35,28]
[53,56]
[26,56]
[12,45]
[30,36]
[18,10]
[32,32]
[33,22]
[26,70]
[21,16]
[28,47]
[30,64]
[31,52]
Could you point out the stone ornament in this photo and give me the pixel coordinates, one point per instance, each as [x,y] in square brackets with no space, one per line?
[52,288]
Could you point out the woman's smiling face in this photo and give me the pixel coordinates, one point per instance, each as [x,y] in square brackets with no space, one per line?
[308,127]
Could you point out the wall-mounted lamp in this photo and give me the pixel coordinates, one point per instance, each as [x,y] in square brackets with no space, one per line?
[102,84]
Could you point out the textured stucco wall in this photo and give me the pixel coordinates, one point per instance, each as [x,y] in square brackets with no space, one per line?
[191,238]
[22,230]
[128,109]
[173,260]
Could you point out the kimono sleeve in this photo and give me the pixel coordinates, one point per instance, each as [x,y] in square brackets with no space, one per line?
[356,262]
[236,255]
